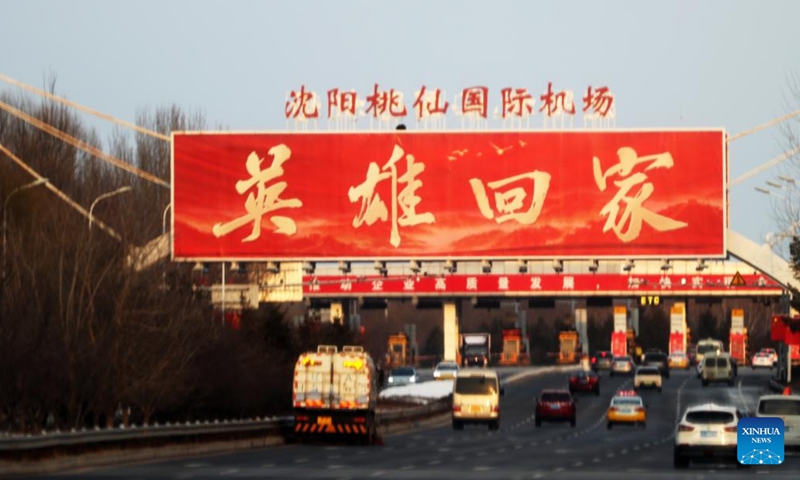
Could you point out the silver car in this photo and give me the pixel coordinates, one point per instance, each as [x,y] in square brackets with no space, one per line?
[622,366]
[403,376]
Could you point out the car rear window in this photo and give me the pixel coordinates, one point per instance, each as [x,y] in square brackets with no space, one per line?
[648,371]
[622,401]
[555,397]
[704,417]
[779,407]
[476,386]
[655,357]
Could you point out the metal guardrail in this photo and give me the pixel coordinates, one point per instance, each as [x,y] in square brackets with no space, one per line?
[136,433]
[278,426]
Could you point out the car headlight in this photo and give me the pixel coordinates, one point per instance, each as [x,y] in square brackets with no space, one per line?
[391,380]
[413,380]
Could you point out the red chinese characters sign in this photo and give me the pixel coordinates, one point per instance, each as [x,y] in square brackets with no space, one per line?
[458,195]
[588,284]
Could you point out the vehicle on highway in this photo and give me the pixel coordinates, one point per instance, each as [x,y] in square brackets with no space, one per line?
[647,377]
[601,360]
[659,360]
[787,408]
[403,376]
[708,346]
[628,408]
[773,354]
[622,366]
[706,430]
[445,370]
[762,360]
[555,405]
[476,398]
[717,368]
[678,360]
[324,405]
[584,381]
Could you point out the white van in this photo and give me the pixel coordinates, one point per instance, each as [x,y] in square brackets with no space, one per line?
[786,407]
[476,398]
[717,368]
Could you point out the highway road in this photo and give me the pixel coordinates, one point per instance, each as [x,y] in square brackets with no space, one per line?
[518,450]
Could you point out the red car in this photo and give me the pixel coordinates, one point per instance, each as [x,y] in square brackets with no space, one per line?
[555,405]
[584,381]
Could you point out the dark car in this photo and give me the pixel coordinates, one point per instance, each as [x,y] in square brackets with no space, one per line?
[660,360]
[555,405]
[602,360]
[584,381]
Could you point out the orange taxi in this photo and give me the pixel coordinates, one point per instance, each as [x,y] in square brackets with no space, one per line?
[626,408]
[678,360]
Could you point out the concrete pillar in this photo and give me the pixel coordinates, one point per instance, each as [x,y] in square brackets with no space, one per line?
[581,327]
[450,329]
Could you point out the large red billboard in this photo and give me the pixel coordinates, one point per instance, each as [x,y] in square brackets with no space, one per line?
[449,195]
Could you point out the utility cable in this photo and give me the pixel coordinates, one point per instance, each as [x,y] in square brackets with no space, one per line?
[80,107]
[763,167]
[75,142]
[101,225]
[763,126]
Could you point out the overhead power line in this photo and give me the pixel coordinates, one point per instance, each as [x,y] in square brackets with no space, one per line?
[763,126]
[92,150]
[80,107]
[764,167]
[95,222]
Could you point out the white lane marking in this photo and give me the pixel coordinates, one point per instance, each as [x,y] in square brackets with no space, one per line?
[481,469]
[230,471]
[407,467]
[562,450]
[335,467]
[577,464]
[267,465]
[610,455]
[444,449]
[300,460]
[538,475]
[332,457]
[196,465]
[434,462]
[624,451]
[377,474]
[595,460]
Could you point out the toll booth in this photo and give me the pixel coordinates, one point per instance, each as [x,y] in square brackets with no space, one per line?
[512,347]
[738,346]
[397,354]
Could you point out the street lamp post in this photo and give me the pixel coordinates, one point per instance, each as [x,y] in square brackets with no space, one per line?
[105,195]
[164,232]
[32,184]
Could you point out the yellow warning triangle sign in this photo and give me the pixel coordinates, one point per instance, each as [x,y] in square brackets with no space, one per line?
[738,280]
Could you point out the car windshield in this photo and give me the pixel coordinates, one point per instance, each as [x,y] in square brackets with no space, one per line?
[626,401]
[474,350]
[655,357]
[402,372]
[476,386]
[779,407]
[647,371]
[447,366]
[555,397]
[705,417]
[707,348]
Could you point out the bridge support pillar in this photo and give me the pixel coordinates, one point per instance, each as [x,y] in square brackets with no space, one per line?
[451,312]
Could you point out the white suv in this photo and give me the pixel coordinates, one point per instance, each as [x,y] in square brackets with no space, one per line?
[704,430]
[787,408]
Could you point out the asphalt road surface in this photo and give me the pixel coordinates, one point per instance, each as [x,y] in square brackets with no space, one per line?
[518,450]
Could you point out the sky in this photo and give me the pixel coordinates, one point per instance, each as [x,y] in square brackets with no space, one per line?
[675,64]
